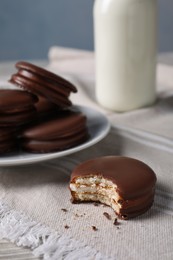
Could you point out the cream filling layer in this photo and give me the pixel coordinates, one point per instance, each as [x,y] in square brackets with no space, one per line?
[96,189]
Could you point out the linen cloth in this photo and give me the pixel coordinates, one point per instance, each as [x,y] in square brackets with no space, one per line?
[35,201]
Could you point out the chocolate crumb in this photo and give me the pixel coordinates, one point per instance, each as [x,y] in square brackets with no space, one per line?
[96,204]
[94,228]
[77,215]
[116,222]
[66,226]
[65,210]
[73,201]
[118,227]
[120,202]
[107,215]
[125,217]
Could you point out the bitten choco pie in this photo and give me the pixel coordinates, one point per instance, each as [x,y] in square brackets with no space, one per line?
[125,184]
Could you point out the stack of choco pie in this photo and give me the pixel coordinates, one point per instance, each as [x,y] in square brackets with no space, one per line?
[39,116]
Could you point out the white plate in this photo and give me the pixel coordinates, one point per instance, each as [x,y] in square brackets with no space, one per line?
[98,126]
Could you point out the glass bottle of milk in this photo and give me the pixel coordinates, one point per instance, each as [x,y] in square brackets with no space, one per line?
[125,33]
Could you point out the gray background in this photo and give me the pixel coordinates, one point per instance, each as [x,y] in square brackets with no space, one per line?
[29,28]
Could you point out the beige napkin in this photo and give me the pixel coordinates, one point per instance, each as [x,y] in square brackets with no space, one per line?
[35,208]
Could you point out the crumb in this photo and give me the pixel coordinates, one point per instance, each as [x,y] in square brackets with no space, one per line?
[66,226]
[120,202]
[118,227]
[116,222]
[96,204]
[107,215]
[65,210]
[94,228]
[73,201]
[124,217]
[77,215]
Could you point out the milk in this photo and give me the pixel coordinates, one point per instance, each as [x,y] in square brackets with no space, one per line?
[125,44]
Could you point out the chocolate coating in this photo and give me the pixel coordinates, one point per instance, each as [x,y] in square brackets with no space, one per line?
[19,118]
[7,140]
[44,107]
[57,87]
[45,74]
[65,131]
[43,83]
[41,90]
[60,144]
[16,107]
[13,99]
[55,128]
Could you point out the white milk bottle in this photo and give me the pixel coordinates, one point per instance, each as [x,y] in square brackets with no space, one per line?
[125,33]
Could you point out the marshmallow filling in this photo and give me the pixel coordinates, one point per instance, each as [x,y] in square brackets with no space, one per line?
[96,189]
